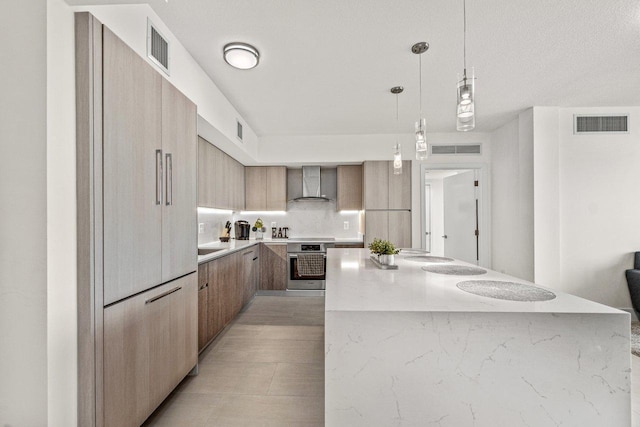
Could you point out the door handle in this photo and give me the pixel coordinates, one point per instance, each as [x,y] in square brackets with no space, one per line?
[444,237]
[169,177]
[158,177]
[162,295]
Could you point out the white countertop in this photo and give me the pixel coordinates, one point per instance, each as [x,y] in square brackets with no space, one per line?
[234,245]
[354,283]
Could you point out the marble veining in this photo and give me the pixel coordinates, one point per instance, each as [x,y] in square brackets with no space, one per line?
[406,348]
[511,291]
[455,270]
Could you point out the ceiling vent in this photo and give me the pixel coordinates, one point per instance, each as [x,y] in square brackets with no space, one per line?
[157,47]
[239,129]
[600,124]
[461,149]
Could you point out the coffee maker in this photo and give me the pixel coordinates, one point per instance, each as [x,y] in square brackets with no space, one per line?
[242,230]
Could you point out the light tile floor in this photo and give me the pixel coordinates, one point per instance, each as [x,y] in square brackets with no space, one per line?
[265,369]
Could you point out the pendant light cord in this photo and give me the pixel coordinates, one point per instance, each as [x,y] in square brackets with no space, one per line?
[464,48]
[420,79]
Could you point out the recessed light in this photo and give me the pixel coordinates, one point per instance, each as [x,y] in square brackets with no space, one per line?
[241,55]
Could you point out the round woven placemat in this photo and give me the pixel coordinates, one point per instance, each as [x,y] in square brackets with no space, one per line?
[510,291]
[455,270]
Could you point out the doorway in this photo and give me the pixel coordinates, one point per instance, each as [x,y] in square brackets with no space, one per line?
[453,222]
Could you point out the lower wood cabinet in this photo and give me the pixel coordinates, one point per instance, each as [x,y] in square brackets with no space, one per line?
[226,284]
[273,267]
[150,345]
[203,305]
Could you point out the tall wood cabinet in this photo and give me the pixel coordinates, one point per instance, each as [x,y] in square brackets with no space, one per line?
[387,202]
[149,182]
[265,188]
[220,178]
[137,237]
[383,189]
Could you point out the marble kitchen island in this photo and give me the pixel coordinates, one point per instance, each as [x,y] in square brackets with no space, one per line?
[408,347]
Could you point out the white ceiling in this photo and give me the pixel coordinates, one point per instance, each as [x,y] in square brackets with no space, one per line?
[327,66]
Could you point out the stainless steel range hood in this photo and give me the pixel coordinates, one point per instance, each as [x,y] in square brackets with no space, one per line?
[311,185]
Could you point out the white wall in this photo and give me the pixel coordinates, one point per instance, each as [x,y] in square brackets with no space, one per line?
[600,207]
[61,217]
[23,225]
[546,196]
[512,198]
[217,117]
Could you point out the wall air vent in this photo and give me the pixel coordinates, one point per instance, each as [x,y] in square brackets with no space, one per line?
[587,124]
[456,149]
[239,129]
[157,47]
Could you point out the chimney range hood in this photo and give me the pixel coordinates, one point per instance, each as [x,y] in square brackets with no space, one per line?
[311,185]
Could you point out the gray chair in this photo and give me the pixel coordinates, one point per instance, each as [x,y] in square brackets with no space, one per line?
[633,281]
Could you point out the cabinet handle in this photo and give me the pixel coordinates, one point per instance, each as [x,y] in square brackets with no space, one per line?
[206,285]
[169,177]
[162,295]
[255,258]
[158,177]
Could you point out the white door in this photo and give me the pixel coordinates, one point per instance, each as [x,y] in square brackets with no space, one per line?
[427,217]
[460,204]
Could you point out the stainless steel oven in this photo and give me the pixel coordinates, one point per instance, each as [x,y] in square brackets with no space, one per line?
[307,263]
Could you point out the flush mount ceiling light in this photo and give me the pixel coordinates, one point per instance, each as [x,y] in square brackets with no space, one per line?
[241,55]
[397,155]
[465,111]
[421,125]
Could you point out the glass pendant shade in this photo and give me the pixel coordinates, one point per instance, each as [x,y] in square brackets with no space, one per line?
[397,160]
[421,139]
[466,118]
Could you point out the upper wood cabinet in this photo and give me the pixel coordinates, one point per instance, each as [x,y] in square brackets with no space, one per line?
[265,188]
[349,188]
[148,180]
[220,178]
[383,189]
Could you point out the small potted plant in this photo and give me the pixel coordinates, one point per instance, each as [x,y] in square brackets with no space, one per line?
[259,228]
[385,251]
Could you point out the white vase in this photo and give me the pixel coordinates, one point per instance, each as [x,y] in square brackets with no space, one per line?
[387,259]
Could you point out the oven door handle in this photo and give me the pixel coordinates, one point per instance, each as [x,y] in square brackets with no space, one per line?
[324,255]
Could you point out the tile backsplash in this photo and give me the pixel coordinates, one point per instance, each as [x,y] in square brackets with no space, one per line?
[304,219]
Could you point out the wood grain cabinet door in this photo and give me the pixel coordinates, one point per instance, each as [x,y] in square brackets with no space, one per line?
[150,344]
[400,187]
[179,217]
[376,185]
[276,188]
[255,188]
[376,226]
[273,267]
[132,171]
[203,306]
[349,188]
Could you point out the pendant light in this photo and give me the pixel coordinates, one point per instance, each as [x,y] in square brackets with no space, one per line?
[397,155]
[421,125]
[466,118]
